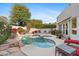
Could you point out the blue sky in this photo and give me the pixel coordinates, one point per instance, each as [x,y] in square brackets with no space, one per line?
[47,12]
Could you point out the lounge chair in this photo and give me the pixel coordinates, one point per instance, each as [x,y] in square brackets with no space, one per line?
[75,44]
[72,41]
[77,52]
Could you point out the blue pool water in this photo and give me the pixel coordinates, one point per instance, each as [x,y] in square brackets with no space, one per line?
[39,42]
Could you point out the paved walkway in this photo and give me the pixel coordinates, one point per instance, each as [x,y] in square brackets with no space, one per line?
[15,51]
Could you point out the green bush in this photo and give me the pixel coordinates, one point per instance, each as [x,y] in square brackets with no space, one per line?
[13,35]
[56,32]
[53,32]
[5,34]
[21,30]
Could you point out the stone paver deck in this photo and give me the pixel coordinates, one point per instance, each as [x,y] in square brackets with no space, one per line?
[15,51]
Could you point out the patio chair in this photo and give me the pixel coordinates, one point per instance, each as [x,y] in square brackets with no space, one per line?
[77,52]
[73,43]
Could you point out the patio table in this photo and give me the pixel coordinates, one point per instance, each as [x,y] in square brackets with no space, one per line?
[65,50]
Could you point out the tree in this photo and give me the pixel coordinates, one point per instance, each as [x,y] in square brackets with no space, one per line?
[20,15]
[36,23]
[50,25]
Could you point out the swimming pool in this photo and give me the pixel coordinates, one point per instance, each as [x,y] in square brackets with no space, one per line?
[39,42]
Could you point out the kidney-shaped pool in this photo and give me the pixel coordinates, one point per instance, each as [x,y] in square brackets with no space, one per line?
[38,42]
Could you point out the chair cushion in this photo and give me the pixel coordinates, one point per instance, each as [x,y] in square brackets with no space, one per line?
[77,52]
[72,41]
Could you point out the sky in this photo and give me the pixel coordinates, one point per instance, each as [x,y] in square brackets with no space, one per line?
[47,12]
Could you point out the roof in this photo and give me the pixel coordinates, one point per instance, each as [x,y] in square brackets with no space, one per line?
[71,10]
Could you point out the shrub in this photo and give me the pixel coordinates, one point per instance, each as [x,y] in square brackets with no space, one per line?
[14,30]
[56,32]
[53,32]
[13,35]
[21,30]
[5,34]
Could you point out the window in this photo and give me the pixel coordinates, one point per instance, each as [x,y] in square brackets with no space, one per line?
[60,27]
[63,28]
[74,25]
[66,28]
[74,22]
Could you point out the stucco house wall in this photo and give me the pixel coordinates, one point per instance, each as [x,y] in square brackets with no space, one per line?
[65,17]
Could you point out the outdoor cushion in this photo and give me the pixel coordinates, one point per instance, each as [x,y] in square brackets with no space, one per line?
[77,52]
[72,41]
